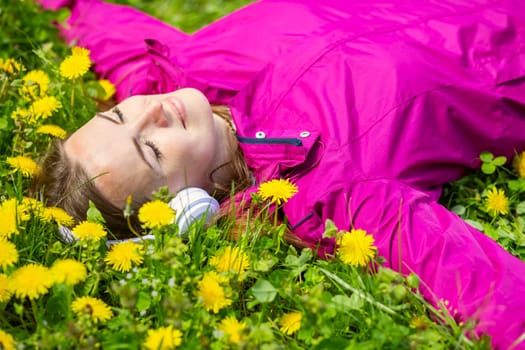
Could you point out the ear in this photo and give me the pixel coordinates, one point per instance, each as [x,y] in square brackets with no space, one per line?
[193,204]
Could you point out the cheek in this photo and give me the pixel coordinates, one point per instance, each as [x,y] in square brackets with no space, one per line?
[190,166]
[204,152]
[189,150]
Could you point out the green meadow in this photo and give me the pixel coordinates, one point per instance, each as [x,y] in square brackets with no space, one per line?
[206,290]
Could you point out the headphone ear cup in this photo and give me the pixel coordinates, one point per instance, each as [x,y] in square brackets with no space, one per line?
[66,234]
[193,204]
[190,204]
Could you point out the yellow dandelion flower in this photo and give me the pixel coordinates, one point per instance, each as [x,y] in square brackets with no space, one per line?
[36,83]
[231,327]
[123,255]
[57,215]
[109,89]
[7,342]
[519,163]
[163,338]
[31,205]
[23,211]
[10,66]
[27,166]
[30,281]
[5,293]
[211,293]
[356,248]
[290,322]
[156,214]
[45,107]
[21,115]
[76,65]
[419,322]
[68,271]
[496,202]
[277,191]
[8,254]
[9,218]
[95,308]
[80,51]
[86,230]
[53,130]
[231,260]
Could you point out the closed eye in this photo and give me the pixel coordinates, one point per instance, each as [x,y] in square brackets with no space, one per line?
[111,118]
[119,114]
[156,150]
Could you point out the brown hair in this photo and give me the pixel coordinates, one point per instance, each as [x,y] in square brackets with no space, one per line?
[238,176]
[64,183]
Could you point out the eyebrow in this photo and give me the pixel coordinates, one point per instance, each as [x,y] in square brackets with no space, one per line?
[107,117]
[135,140]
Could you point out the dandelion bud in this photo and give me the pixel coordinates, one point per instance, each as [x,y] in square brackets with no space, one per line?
[413,280]
[128,211]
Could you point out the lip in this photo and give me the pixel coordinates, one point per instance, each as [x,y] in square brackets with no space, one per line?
[178,108]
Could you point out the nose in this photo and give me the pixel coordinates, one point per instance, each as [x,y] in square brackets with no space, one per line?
[152,115]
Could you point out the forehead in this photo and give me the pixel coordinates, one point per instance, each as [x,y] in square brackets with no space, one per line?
[136,101]
[99,143]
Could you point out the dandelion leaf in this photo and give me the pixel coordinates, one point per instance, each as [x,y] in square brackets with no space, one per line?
[520,208]
[476,224]
[517,185]
[3,124]
[94,215]
[56,306]
[459,209]
[343,302]
[143,301]
[330,230]
[263,291]
[332,343]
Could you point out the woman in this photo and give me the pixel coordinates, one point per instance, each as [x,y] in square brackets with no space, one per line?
[369,108]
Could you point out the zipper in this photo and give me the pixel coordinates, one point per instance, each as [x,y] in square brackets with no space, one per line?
[271,140]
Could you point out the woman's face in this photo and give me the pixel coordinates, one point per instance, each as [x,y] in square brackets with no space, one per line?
[150,141]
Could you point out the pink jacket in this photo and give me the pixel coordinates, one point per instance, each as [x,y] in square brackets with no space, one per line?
[369,108]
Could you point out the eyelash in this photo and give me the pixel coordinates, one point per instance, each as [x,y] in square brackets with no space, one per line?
[158,153]
[119,114]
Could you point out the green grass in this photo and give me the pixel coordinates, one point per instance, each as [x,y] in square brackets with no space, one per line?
[186,15]
[342,306]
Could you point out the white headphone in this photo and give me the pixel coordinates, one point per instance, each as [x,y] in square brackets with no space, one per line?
[191,204]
